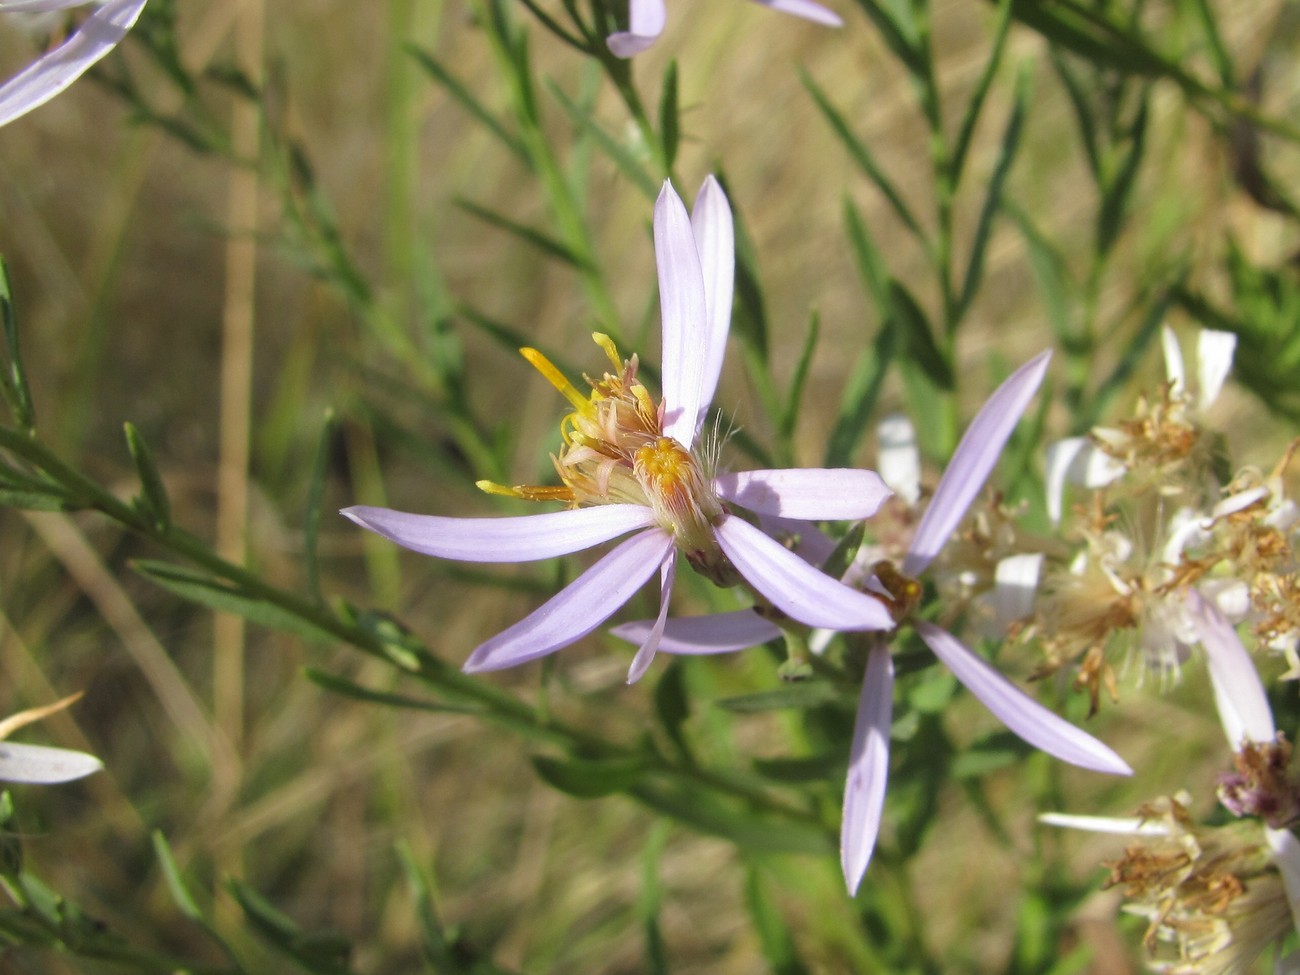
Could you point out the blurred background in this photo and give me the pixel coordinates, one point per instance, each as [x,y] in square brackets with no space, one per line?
[220,270]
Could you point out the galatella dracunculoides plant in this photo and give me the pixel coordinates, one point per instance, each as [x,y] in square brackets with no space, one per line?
[631,464]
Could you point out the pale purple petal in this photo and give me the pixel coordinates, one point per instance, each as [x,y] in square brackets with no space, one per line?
[38,6]
[864,790]
[1122,826]
[715,242]
[525,538]
[805,9]
[1286,854]
[972,462]
[1015,709]
[829,494]
[1076,460]
[1214,352]
[579,607]
[699,635]
[39,765]
[793,586]
[641,662]
[1243,706]
[645,24]
[898,458]
[683,313]
[52,73]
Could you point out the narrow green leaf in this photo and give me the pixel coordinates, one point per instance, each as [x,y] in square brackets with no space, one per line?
[437,949]
[993,198]
[858,401]
[34,500]
[669,116]
[346,688]
[961,144]
[629,164]
[323,953]
[748,830]
[1075,91]
[181,896]
[216,594]
[1050,273]
[590,778]
[870,262]
[750,311]
[800,696]
[534,238]
[650,900]
[152,501]
[471,104]
[673,705]
[810,768]
[772,930]
[1116,193]
[790,415]
[13,378]
[864,159]
[919,345]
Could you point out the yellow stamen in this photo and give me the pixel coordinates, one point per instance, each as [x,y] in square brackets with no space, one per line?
[555,378]
[611,350]
[527,492]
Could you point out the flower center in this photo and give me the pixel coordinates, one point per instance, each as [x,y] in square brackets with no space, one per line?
[615,453]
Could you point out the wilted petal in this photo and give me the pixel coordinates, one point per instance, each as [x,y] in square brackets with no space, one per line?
[1076,460]
[1015,583]
[1015,709]
[715,241]
[864,790]
[805,9]
[645,21]
[48,75]
[1124,826]
[1243,707]
[700,635]
[39,765]
[641,662]
[579,607]
[972,462]
[1214,352]
[899,458]
[683,312]
[521,539]
[830,494]
[1174,369]
[1286,854]
[795,587]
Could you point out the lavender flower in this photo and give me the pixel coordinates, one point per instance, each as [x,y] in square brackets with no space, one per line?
[50,74]
[629,463]
[646,18]
[864,791]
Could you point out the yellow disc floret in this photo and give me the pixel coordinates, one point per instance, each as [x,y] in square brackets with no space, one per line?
[615,452]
